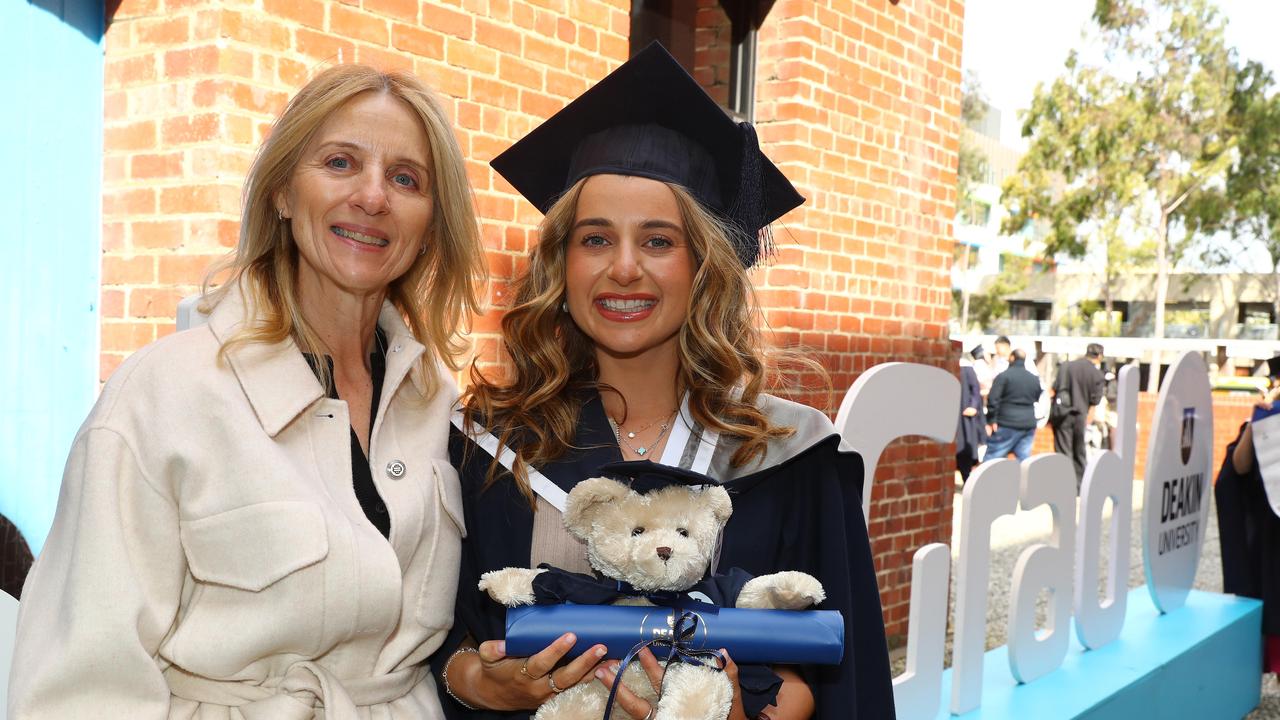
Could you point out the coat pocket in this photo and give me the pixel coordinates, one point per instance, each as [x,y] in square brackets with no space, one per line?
[440,578]
[253,547]
[450,492]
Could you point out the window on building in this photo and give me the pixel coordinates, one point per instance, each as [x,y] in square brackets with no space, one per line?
[975,212]
[717,45]
[1029,310]
[1253,313]
[1186,319]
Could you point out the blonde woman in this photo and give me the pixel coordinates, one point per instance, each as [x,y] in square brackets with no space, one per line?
[633,335]
[259,519]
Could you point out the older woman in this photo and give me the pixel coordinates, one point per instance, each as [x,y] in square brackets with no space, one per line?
[259,519]
[633,335]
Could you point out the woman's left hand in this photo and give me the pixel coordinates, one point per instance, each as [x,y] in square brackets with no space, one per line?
[640,708]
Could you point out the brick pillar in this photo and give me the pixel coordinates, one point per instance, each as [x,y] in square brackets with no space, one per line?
[860,107]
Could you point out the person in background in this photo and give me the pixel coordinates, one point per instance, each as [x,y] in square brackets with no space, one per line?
[1076,392]
[1011,410]
[982,368]
[971,430]
[1000,362]
[1249,530]
[259,518]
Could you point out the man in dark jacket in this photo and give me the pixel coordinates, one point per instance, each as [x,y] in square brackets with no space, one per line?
[1076,391]
[1011,410]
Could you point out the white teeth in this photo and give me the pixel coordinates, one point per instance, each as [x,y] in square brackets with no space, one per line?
[619,305]
[360,237]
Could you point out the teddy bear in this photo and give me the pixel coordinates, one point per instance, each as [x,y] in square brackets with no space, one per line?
[656,542]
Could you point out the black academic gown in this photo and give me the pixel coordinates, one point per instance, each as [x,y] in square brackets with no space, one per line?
[1249,534]
[971,431]
[802,514]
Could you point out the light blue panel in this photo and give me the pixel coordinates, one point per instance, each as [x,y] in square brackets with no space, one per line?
[1201,661]
[50,199]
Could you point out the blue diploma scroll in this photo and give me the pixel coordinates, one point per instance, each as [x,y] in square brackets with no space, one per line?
[750,636]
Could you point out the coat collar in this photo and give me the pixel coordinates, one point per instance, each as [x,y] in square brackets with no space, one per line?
[276,378]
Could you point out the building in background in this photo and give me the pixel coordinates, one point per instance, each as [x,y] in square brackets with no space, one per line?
[857,102]
[982,250]
[1060,308]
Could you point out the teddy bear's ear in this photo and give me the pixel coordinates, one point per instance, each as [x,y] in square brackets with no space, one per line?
[585,501]
[717,499]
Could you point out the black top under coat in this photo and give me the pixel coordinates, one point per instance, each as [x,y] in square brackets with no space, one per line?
[361,474]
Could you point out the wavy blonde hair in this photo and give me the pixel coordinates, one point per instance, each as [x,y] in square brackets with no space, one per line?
[550,366]
[438,295]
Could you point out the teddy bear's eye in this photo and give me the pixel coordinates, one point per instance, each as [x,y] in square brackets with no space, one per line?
[683,532]
[638,531]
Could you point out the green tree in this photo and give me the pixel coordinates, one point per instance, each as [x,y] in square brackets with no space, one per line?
[988,306]
[1248,205]
[1135,139]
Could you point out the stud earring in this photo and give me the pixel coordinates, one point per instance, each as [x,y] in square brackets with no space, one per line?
[564,306]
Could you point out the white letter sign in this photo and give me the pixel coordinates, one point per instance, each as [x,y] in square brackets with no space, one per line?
[992,491]
[1047,479]
[894,400]
[1109,475]
[1178,476]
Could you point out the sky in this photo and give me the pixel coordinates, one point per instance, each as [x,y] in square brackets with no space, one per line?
[1014,44]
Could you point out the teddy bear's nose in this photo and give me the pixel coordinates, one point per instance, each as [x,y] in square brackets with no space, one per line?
[664,553]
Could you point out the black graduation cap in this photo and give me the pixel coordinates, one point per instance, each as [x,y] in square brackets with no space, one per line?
[646,475]
[977,353]
[1273,366]
[650,119]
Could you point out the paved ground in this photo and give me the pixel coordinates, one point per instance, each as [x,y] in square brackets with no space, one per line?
[1010,535]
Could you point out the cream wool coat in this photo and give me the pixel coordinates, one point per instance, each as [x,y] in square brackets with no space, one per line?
[209,558]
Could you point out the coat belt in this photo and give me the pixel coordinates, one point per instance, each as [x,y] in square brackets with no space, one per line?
[297,693]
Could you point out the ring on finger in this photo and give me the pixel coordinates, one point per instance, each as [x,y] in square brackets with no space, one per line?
[524,670]
[653,710]
[551,682]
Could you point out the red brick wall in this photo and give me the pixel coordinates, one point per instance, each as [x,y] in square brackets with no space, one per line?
[857,102]
[1228,412]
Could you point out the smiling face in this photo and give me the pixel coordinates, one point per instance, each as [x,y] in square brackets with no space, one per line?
[628,267]
[359,202]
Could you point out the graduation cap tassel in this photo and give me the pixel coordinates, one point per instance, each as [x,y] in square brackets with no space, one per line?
[747,211]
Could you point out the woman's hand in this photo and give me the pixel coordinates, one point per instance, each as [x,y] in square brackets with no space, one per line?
[1269,398]
[795,700]
[498,682]
[1242,458]
[970,411]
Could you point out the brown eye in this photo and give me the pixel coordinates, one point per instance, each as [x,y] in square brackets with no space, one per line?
[637,531]
[683,532]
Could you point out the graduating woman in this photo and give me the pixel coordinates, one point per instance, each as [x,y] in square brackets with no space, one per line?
[1249,529]
[633,335]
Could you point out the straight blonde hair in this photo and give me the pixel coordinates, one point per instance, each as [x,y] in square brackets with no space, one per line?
[438,295]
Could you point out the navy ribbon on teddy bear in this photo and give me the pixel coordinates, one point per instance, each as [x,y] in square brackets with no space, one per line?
[557,586]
